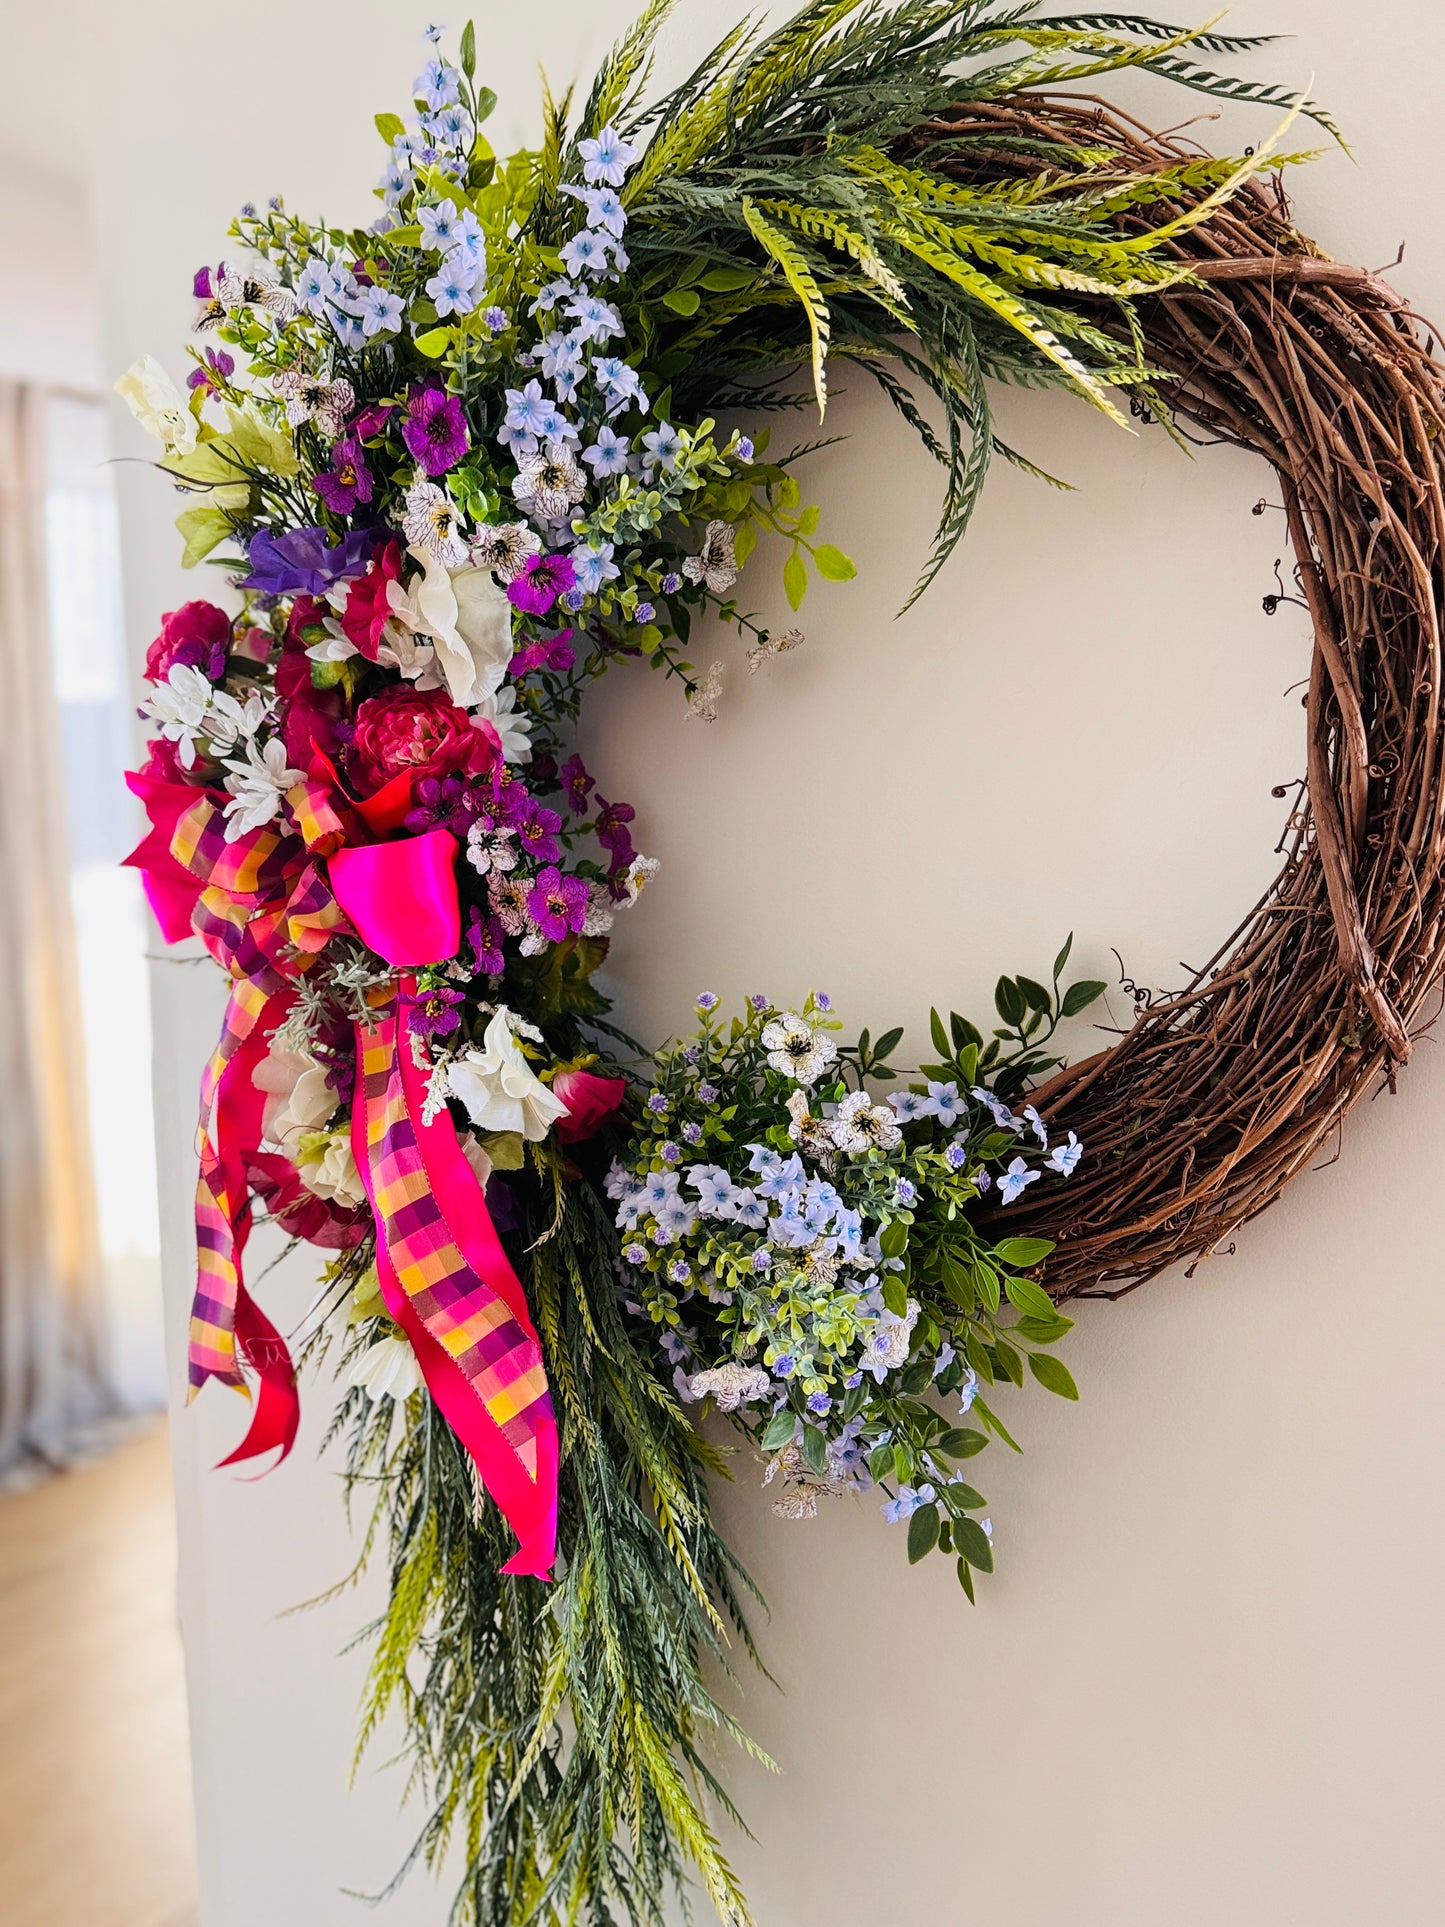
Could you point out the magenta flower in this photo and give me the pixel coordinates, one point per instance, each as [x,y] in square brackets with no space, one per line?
[218,364]
[542,580]
[370,420]
[201,285]
[557,904]
[348,480]
[435,429]
[575,784]
[558,655]
[486,936]
[537,833]
[611,825]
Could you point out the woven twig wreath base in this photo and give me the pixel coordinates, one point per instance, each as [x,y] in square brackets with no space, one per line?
[1218,1096]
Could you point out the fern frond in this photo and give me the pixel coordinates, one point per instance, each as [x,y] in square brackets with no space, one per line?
[799,276]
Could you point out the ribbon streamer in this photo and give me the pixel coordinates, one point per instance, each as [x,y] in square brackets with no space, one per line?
[449,1285]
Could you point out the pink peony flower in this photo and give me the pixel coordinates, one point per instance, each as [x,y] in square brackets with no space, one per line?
[405,729]
[197,635]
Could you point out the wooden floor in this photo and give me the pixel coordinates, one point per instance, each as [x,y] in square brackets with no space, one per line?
[95,1800]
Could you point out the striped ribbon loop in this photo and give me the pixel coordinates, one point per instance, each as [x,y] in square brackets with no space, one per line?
[451,1288]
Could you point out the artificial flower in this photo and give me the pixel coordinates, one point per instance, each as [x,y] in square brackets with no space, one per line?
[504,548]
[155,401]
[467,616]
[257,782]
[539,582]
[326,1165]
[731,1386]
[512,723]
[796,1049]
[435,429]
[860,1125]
[365,609]
[422,730]
[715,565]
[433,522]
[387,1368]
[198,635]
[348,482]
[557,904]
[309,398]
[302,562]
[300,1096]
[499,1089]
[549,483]
[590,1101]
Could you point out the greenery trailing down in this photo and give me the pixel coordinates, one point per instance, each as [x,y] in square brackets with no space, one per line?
[558,1733]
[771,227]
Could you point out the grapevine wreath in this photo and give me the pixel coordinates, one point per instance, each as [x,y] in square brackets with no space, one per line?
[460,463]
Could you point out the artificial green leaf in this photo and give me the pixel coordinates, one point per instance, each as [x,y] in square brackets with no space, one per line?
[922,1533]
[201,530]
[893,1239]
[919,1375]
[973,1542]
[1034,995]
[434,343]
[880,1463]
[486,103]
[390,126]
[467,53]
[795,579]
[985,1283]
[1053,1374]
[960,1442]
[1023,1253]
[815,1450]
[1009,1361]
[833,564]
[963,1498]
[965,1579]
[779,1432]
[727,280]
[895,1294]
[745,540]
[887,1044]
[1063,956]
[1044,1331]
[682,300]
[1080,995]
[1009,1000]
[1027,1297]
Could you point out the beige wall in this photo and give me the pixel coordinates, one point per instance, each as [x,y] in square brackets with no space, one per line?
[1205,1687]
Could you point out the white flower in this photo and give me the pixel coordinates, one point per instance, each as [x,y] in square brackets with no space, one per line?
[180,705]
[491,851]
[888,1347]
[468,618]
[326,1166]
[504,547]
[155,401]
[309,398]
[227,720]
[500,1090]
[796,1049]
[257,783]
[513,725]
[731,1385]
[255,287]
[386,1369]
[432,524]
[702,704]
[638,875]
[859,1125]
[600,918]
[716,562]
[549,483]
[308,1100]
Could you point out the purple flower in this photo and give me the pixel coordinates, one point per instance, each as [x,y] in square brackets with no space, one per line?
[635,1254]
[301,563]
[692,1133]
[758,1002]
[444,803]
[669,1152]
[201,285]
[611,826]
[348,480]
[785,1366]
[557,904]
[822,1000]
[708,1000]
[819,1402]
[218,364]
[671,583]
[575,784]
[434,1012]
[537,833]
[435,429]
[486,937]
[762,1258]
[496,319]
[707,1093]
[692,1054]
[644,612]
[904,1192]
[657,1104]
[542,580]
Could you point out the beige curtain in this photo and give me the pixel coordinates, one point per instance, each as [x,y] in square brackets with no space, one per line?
[52,1379]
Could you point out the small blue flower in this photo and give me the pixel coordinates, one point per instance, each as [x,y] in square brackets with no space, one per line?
[822,1000]
[819,1402]
[496,320]
[905,1192]
[573,599]
[762,1258]
[743,449]
[451,292]
[607,158]
[608,456]
[316,285]
[945,1103]
[956,1156]
[379,310]
[758,1001]
[1064,1157]
[1011,1185]
[907,1503]
[678,1271]
[908,1106]
[785,1366]
[967,1391]
[853,1378]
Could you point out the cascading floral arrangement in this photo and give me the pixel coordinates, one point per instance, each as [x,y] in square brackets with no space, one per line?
[458,464]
